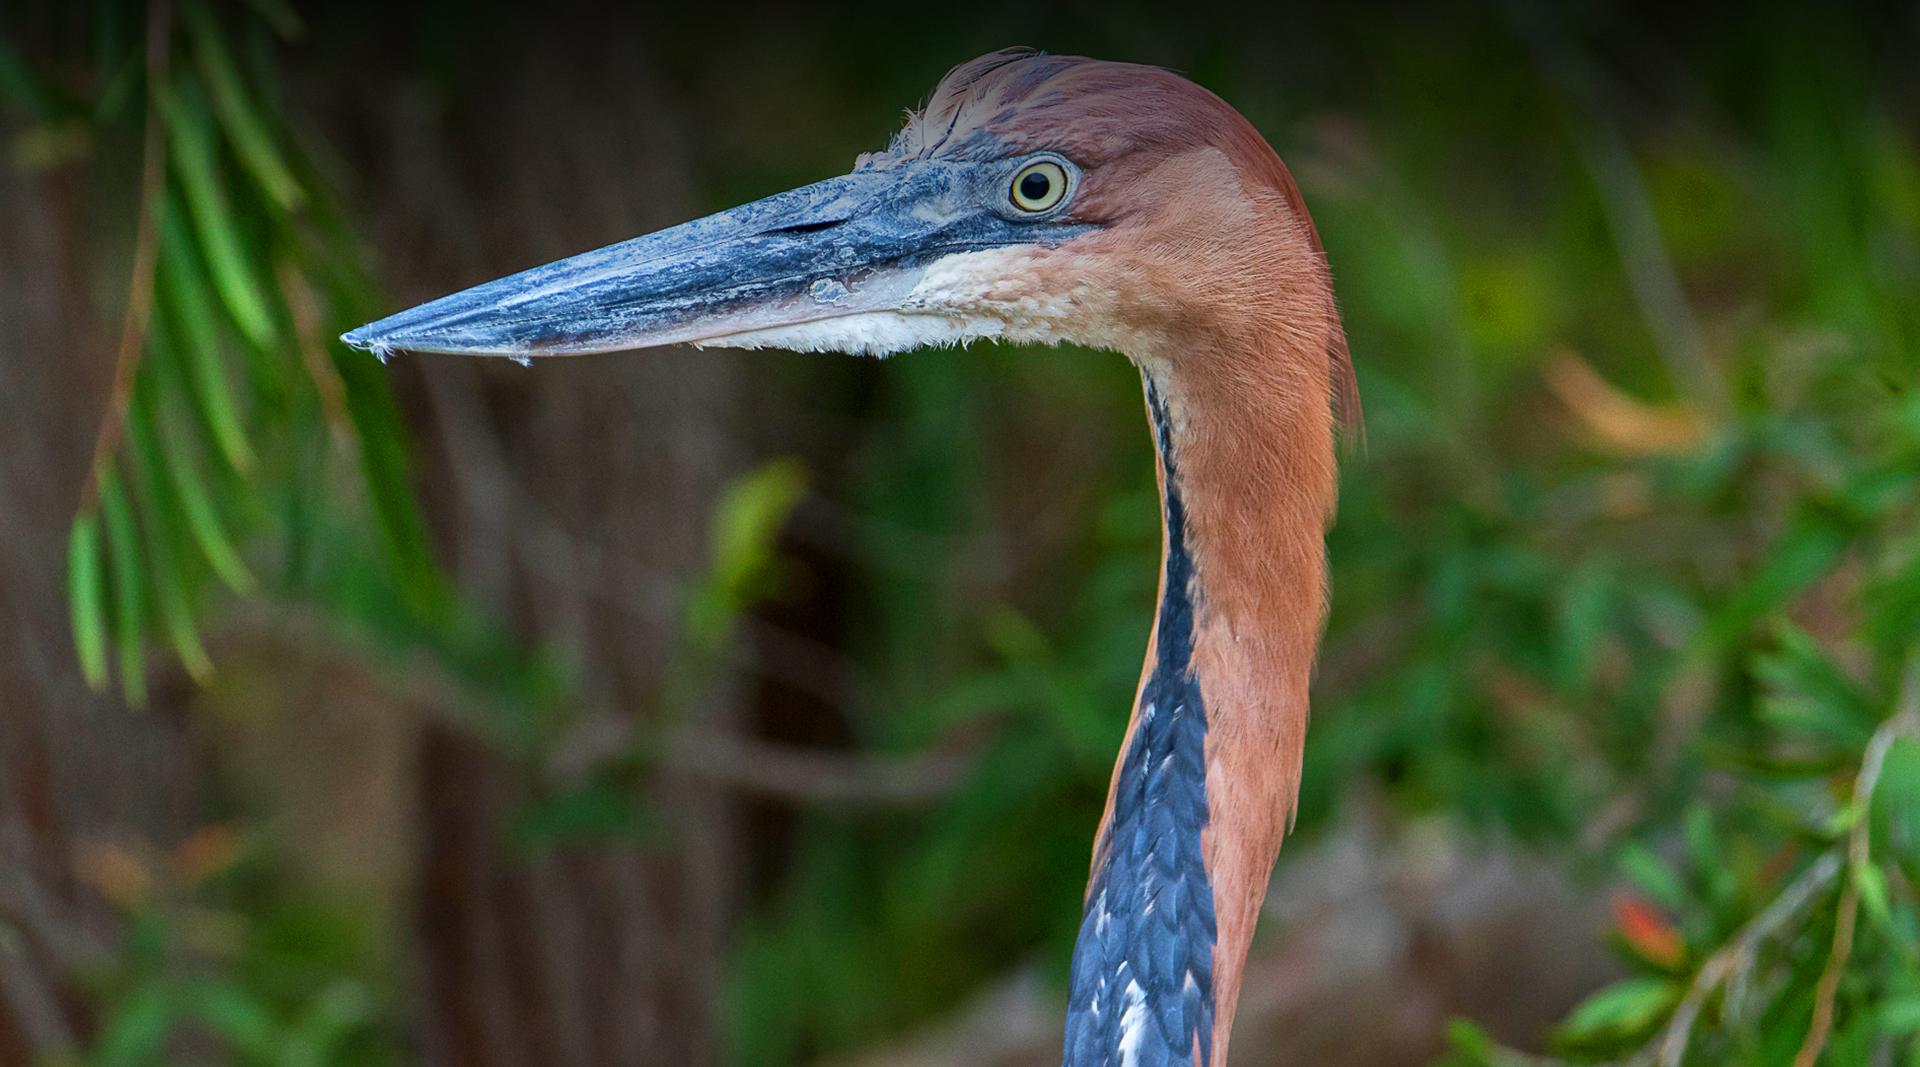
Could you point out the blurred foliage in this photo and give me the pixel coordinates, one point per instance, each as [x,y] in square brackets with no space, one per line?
[234,413]
[1628,569]
[204,967]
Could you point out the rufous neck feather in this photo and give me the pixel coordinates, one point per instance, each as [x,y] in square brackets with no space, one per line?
[1210,768]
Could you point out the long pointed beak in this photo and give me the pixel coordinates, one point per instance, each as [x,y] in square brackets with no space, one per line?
[851,244]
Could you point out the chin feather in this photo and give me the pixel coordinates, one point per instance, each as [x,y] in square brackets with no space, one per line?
[884,333]
[867,333]
[960,299]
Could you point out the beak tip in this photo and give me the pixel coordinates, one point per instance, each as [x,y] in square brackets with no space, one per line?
[367,339]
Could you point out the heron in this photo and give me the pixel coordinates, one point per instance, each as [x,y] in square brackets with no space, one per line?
[1042,199]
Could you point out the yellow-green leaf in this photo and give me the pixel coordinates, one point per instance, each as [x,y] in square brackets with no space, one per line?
[204,523]
[746,523]
[84,600]
[1623,1009]
[1873,895]
[749,518]
[194,159]
[249,136]
[183,295]
[203,520]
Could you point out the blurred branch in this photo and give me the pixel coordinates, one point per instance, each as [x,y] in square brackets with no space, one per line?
[133,326]
[1737,956]
[41,943]
[1904,723]
[812,776]
[32,1001]
[1619,421]
[747,765]
[307,329]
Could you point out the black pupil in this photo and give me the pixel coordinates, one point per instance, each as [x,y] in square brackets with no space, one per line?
[1036,186]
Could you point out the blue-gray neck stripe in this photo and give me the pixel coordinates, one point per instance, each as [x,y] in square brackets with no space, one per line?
[1142,984]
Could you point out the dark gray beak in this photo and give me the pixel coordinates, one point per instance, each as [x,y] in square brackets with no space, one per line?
[849,245]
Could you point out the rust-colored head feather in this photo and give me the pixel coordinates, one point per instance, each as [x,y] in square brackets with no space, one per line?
[1116,120]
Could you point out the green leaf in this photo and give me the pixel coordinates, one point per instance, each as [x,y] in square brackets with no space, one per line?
[333,1016]
[123,548]
[183,295]
[1900,1015]
[1653,875]
[163,540]
[249,136]
[1584,610]
[601,810]
[237,1015]
[1873,895]
[1837,824]
[1896,802]
[1704,853]
[85,600]
[1471,1046]
[1807,691]
[51,145]
[1467,1037]
[194,159]
[203,520]
[1805,553]
[1623,1009]
[746,524]
[749,516]
[137,1028]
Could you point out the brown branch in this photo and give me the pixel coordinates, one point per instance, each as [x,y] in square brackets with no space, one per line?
[1904,723]
[326,377]
[133,326]
[813,776]
[1736,956]
[1822,1022]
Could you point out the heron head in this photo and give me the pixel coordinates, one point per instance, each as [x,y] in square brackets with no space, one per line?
[1036,198]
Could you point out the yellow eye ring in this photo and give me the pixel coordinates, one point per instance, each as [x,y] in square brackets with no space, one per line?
[1040,186]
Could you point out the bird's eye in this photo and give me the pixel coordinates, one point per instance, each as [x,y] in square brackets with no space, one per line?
[1039,186]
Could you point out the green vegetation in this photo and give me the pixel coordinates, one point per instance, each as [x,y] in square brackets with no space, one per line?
[1628,568]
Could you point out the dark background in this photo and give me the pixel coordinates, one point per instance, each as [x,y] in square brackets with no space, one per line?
[701,707]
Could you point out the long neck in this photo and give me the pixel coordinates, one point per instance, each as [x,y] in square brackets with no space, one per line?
[1208,773]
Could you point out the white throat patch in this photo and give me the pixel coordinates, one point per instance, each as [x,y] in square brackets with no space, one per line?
[958,299]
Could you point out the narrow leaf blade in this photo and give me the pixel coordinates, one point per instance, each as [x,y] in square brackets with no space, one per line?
[123,549]
[84,600]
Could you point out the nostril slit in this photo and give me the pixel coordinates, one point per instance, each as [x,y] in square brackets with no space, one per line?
[808,227]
